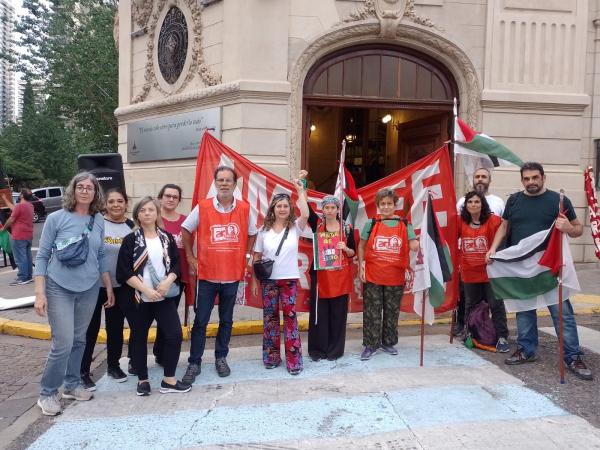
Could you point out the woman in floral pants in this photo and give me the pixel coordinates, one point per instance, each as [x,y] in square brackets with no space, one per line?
[278,241]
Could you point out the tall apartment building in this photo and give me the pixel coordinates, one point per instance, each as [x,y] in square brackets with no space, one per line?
[7,80]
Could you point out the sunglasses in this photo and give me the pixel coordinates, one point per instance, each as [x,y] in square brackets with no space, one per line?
[280,196]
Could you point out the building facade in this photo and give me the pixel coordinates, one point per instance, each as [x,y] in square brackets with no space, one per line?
[7,76]
[286,80]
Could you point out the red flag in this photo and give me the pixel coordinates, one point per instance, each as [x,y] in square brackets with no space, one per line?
[552,255]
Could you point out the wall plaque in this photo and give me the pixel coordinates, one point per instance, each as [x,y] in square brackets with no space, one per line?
[171,137]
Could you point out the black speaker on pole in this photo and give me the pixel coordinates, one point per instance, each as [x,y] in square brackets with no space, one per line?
[106,167]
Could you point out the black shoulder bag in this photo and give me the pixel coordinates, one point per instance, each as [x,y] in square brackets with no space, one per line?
[264,267]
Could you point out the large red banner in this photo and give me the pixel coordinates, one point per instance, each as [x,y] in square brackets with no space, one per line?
[432,173]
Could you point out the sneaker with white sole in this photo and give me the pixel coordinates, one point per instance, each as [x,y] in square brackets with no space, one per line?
[79,394]
[87,382]
[50,405]
[117,374]
[367,353]
[177,388]
[389,349]
[502,345]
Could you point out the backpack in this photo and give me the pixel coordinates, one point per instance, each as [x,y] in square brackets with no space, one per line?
[480,325]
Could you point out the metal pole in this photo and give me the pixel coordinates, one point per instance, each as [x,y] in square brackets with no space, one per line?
[423,325]
[561,343]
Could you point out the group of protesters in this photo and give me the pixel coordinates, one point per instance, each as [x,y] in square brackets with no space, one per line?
[92,257]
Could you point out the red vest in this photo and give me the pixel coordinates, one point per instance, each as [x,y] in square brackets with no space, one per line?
[222,241]
[386,254]
[474,244]
[333,283]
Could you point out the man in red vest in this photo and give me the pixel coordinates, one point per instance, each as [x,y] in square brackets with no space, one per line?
[225,239]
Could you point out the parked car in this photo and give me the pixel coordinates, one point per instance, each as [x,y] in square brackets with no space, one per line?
[39,210]
[51,197]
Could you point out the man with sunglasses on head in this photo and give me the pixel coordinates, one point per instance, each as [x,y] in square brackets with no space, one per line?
[225,236]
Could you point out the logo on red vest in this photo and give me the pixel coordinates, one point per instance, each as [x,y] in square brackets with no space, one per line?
[475,245]
[224,233]
[387,244]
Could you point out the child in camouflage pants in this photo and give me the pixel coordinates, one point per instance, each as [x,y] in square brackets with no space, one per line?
[383,255]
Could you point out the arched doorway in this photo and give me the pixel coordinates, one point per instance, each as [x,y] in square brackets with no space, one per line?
[393,105]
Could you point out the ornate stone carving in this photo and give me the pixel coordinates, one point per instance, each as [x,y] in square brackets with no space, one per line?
[389,13]
[141,10]
[172,45]
[198,65]
[413,36]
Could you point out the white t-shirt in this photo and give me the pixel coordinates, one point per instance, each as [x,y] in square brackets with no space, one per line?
[155,254]
[495,202]
[285,266]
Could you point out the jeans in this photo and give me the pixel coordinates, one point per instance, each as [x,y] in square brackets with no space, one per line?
[166,316]
[205,300]
[528,331]
[22,252]
[69,314]
[124,307]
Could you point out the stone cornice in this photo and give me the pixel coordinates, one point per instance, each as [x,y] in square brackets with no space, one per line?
[222,94]
[535,101]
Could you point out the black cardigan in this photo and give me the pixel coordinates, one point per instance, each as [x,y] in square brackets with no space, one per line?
[125,260]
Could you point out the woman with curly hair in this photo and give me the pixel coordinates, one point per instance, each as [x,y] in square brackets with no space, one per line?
[278,241]
[69,264]
[477,227]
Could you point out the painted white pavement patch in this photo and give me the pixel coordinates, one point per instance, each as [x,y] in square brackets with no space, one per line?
[349,403]
[11,303]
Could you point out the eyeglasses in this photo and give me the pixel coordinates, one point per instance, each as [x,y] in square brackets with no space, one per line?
[172,197]
[80,188]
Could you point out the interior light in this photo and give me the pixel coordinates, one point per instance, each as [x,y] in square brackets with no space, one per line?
[313,127]
[386,118]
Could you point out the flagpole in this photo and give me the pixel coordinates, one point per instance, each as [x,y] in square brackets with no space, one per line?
[561,343]
[425,294]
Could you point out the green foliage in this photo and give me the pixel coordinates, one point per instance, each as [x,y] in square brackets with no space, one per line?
[70,51]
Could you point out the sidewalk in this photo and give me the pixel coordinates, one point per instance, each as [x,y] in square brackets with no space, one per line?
[25,322]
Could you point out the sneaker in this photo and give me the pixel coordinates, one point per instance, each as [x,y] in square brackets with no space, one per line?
[143,389]
[518,357]
[117,374]
[272,365]
[50,405]
[295,371]
[177,388]
[578,367]
[458,329]
[191,373]
[26,281]
[367,353]
[222,367]
[15,283]
[389,349]
[87,382]
[131,370]
[502,346]
[79,393]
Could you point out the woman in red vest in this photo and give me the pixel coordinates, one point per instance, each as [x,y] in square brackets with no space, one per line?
[278,241]
[330,288]
[383,255]
[477,228]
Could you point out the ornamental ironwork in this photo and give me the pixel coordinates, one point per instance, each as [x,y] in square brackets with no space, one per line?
[172,45]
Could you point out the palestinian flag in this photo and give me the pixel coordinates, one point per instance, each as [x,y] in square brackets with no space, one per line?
[433,266]
[479,150]
[525,275]
[345,191]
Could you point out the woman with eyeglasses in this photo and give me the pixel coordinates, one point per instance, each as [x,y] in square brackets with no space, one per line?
[116,227]
[148,263]
[281,229]
[70,261]
[169,197]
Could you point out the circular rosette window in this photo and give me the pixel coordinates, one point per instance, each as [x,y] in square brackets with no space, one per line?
[172,45]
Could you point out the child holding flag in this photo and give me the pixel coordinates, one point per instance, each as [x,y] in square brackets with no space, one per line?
[383,255]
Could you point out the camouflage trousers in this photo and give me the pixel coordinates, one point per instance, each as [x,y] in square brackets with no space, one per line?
[381,309]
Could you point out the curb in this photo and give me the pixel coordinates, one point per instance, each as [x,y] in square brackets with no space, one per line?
[250,327]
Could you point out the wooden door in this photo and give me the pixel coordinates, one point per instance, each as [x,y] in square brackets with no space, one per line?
[420,137]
